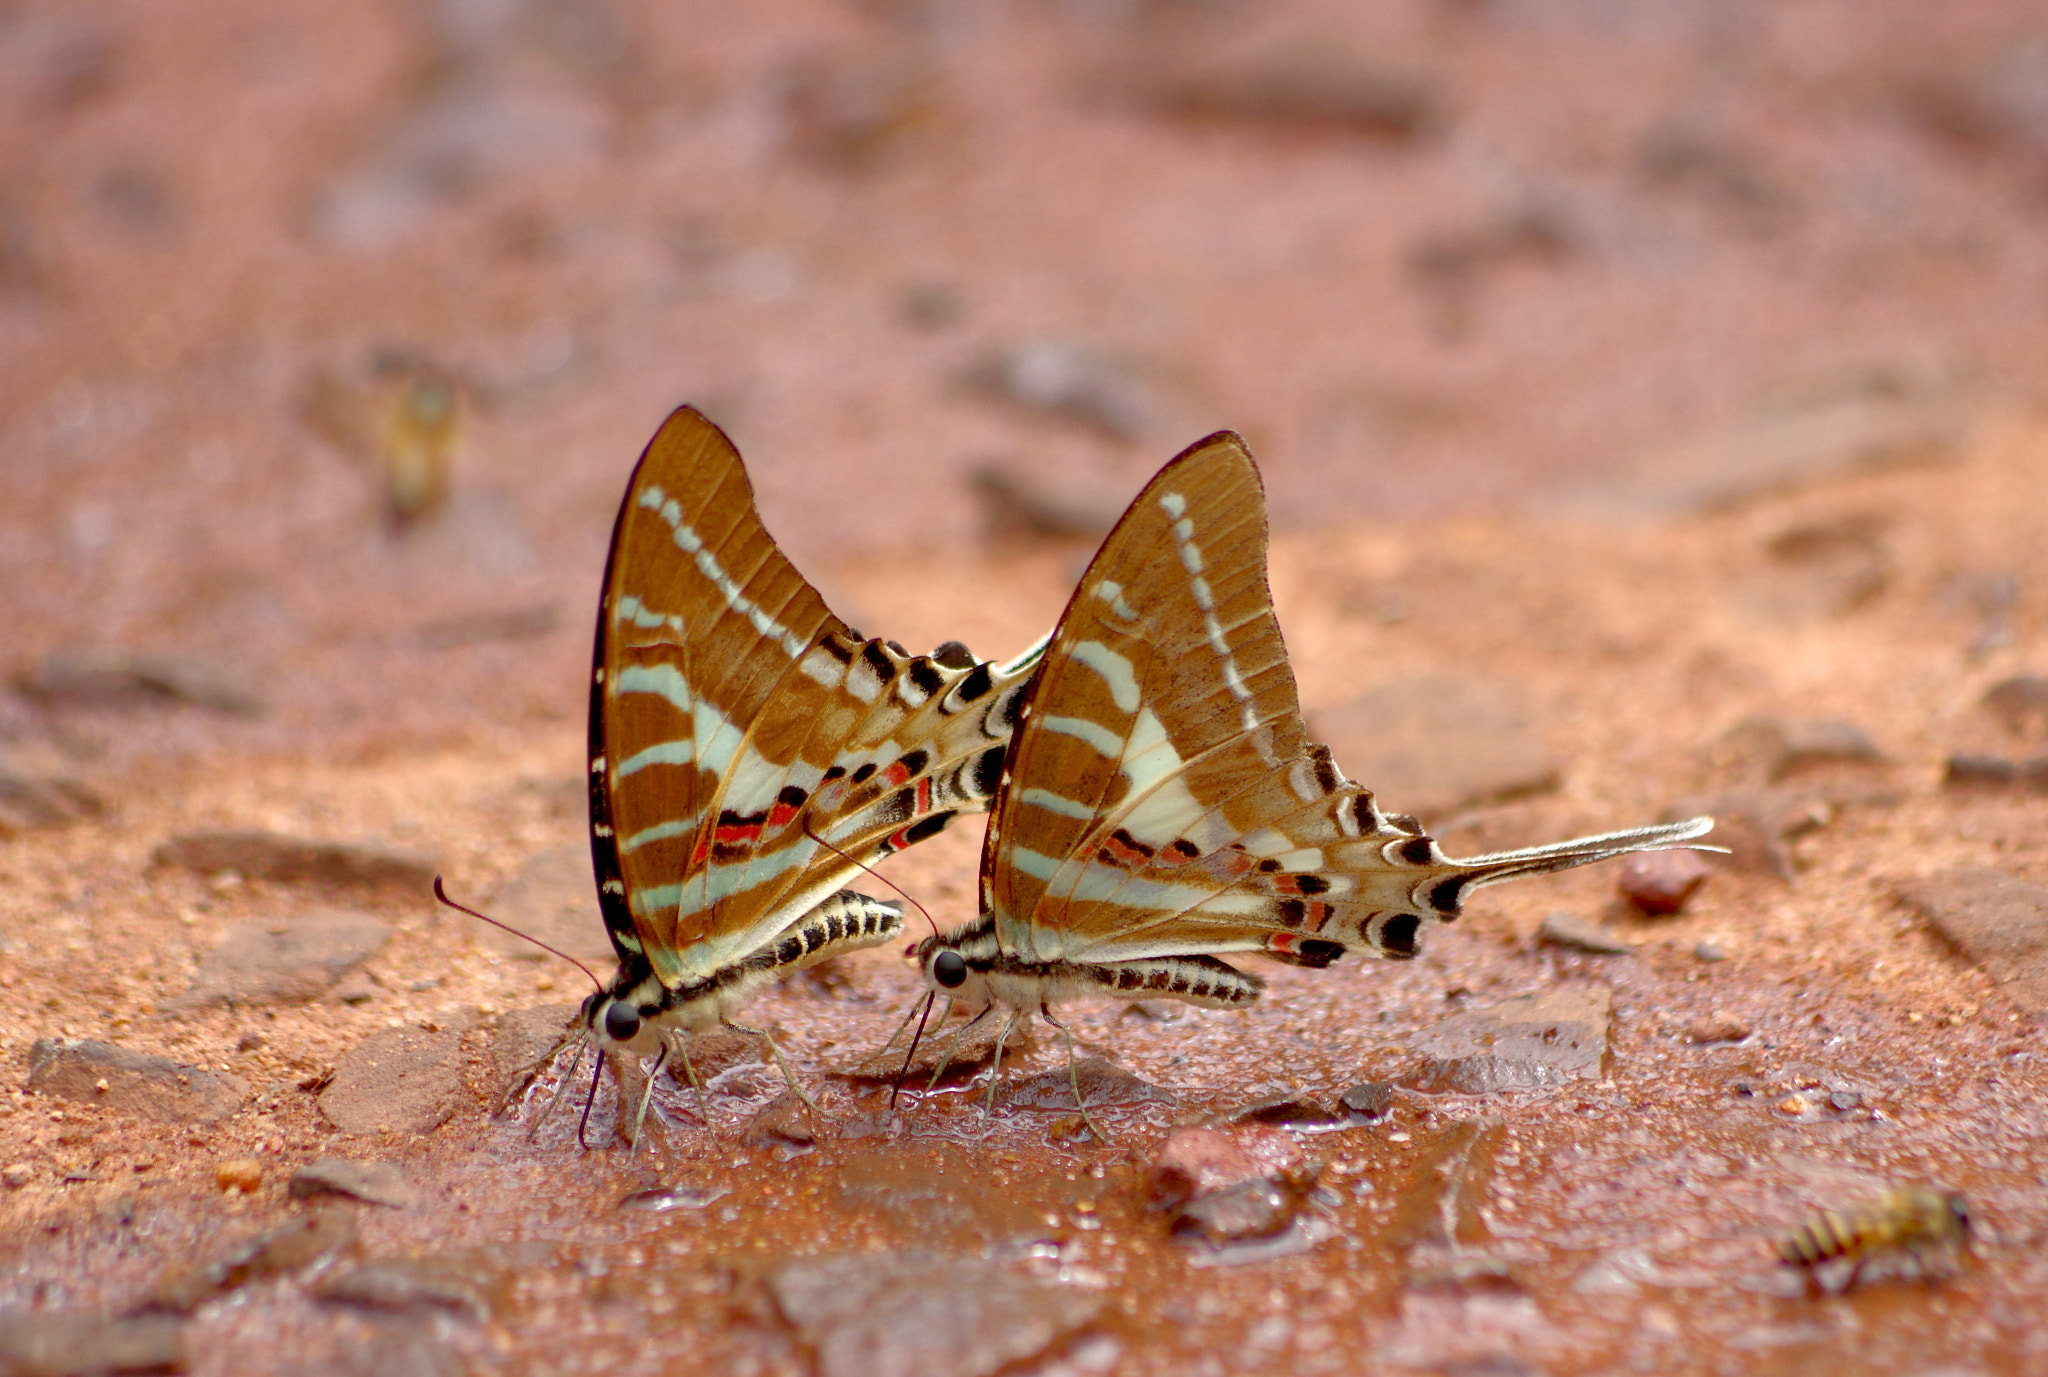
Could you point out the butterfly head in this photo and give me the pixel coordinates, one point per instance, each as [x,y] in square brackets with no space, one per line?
[956,965]
[619,1022]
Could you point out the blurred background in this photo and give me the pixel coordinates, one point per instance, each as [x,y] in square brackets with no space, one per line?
[328,334]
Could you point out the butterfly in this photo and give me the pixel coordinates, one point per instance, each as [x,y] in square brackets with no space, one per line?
[1161,807]
[749,752]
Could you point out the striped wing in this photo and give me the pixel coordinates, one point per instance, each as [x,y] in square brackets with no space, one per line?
[732,715]
[1162,798]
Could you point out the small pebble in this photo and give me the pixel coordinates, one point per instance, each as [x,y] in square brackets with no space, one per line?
[1369,1099]
[1795,1105]
[1709,950]
[1660,882]
[662,1199]
[16,1175]
[1718,1026]
[244,1175]
[375,1183]
[1561,929]
[1247,1210]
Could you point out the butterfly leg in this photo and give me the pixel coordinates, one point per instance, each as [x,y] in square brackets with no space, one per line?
[562,1089]
[696,1083]
[1074,1075]
[995,1069]
[646,1099]
[780,1060]
[525,1079]
[946,1057]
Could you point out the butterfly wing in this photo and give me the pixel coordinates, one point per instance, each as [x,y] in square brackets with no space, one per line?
[733,716]
[1162,797]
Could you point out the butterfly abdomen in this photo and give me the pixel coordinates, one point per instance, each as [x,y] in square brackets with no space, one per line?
[1197,979]
[845,919]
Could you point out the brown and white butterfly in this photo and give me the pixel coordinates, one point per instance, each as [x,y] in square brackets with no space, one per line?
[1161,805]
[749,752]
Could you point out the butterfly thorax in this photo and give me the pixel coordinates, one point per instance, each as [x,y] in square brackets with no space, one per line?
[970,967]
[644,1010]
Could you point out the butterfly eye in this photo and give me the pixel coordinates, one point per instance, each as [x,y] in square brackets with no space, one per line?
[621,1022]
[949,968]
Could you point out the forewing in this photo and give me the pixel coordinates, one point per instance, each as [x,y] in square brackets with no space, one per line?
[1162,797]
[725,692]
[1167,654]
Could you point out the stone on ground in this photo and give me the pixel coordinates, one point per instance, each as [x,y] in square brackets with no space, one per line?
[922,1314]
[398,1080]
[1998,921]
[1535,1042]
[295,860]
[375,1183]
[130,1082]
[550,897]
[282,960]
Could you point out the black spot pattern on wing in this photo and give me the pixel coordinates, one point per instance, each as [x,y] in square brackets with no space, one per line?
[1446,896]
[1397,935]
[1327,775]
[927,827]
[1362,814]
[987,772]
[976,685]
[1311,952]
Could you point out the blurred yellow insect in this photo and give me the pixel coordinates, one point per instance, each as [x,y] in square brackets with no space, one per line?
[421,432]
[1915,1221]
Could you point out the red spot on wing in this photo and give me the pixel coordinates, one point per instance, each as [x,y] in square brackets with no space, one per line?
[1229,864]
[780,816]
[895,776]
[1114,851]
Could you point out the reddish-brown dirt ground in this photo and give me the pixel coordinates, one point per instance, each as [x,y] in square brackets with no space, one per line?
[1667,369]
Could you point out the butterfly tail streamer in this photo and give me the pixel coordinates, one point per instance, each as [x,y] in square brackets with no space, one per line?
[1502,866]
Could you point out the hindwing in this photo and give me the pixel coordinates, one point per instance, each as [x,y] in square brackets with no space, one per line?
[733,718]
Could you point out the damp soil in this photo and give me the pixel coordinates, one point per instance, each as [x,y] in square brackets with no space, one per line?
[1664,381]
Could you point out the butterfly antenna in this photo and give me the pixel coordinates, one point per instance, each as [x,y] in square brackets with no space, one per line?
[873,872]
[442,895]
